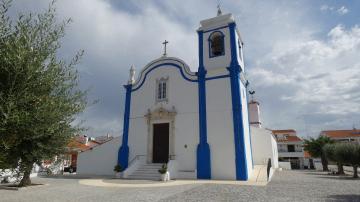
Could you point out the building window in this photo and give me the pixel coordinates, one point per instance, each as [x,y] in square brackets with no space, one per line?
[291,148]
[161,89]
[216,44]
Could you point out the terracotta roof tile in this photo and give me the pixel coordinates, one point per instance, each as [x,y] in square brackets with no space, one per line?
[289,138]
[75,145]
[284,131]
[341,133]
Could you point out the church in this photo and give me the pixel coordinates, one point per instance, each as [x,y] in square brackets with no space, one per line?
[198,119]
[195,122]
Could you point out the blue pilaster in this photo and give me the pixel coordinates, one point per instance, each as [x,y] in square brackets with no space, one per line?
[123,155]
[203,149]
[234,69]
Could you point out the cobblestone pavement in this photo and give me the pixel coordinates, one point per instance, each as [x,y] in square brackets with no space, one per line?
[285,186]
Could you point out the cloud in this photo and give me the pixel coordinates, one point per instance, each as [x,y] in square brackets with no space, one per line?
[319,72]
[300,80]
[340,11]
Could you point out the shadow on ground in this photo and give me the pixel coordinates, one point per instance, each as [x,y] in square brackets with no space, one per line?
[337,177]
[344,197]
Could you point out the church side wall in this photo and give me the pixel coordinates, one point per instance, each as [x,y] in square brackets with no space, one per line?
[99,160]
[220,129]
[247,138]
[183,95]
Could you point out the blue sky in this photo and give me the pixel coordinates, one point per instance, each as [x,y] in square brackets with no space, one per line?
[302,57]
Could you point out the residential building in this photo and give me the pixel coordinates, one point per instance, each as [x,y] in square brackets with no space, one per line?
[343,135]
[290,148]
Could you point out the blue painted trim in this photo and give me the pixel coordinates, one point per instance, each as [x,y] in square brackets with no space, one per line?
[160,65]
[234,69]
[210,30]
[210,42]
[123,155]
[203,159]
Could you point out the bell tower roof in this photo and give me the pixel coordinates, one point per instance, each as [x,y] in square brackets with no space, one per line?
[217,21]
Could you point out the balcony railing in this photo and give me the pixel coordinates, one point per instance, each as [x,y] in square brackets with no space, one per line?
[291,154]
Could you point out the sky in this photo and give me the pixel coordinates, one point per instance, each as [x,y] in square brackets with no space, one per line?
[302,57]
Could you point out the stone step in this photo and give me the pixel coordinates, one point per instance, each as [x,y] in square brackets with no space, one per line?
[147,172]
[143,174]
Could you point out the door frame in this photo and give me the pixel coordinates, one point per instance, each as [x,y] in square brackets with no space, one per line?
[160,115]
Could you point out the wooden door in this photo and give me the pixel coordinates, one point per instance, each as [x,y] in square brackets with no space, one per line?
[161,143]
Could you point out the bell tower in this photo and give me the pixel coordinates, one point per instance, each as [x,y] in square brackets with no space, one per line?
[222,92]
[220,44]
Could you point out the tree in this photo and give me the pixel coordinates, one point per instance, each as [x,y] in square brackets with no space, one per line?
[348,153]
[39,95]
[315,149]
[330,152]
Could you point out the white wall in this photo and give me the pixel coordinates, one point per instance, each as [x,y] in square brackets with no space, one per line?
[183,95]
[247,138]
[285,165]
[220,129]
[264,147]
[100,160]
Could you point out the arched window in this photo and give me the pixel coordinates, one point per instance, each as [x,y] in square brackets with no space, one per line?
[216,44]
[161,89]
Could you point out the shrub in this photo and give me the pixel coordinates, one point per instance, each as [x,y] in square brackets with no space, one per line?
[163,169]
[118,168]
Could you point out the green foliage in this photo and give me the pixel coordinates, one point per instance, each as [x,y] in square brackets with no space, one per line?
[348,153]
[163,169]
[315,148]
[329,150]
[344,153]
[118,168]
[39,96]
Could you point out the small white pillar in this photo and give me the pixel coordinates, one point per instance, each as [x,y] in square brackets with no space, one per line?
[254,114]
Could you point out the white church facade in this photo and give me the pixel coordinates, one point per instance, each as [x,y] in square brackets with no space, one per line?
[196,122]
[200,119]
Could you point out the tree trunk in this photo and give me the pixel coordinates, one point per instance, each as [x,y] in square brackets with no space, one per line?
[340,169]
[324,162]
[26,181]
[355,172]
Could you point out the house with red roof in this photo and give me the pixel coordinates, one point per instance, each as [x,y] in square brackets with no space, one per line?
[290,148]
[343,135]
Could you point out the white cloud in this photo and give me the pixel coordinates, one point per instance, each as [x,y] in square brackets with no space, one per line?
[326,8]
[342,10]
[293,73]
[320,73]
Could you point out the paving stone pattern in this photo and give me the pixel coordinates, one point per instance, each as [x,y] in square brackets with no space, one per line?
[285,186]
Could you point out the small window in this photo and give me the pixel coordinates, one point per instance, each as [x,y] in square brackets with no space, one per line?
[161,90]
[216,44]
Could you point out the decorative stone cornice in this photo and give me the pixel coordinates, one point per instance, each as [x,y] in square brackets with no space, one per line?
[161,113]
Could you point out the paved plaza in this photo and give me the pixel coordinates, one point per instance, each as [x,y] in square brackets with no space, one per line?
[285,186]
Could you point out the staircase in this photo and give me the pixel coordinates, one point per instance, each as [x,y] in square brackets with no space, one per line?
[146,172]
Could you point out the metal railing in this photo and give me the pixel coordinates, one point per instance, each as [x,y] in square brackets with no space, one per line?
[135,158]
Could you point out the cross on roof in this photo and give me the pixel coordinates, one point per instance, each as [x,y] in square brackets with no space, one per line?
[219,12]
[164,43]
